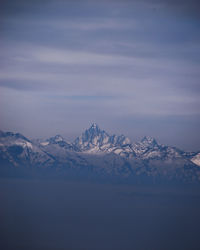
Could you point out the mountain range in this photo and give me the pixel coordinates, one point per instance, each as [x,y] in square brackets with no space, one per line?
[96,154]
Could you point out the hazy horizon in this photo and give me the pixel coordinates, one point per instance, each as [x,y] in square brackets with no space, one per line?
[58,215]
[130,66]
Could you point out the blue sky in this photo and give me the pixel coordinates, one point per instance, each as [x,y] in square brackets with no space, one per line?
[133,67]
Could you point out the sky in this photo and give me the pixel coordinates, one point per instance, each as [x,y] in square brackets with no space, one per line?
[133,67]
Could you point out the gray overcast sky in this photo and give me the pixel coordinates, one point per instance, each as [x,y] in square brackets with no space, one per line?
[133,67]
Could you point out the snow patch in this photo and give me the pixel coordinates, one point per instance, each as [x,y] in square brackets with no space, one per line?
[118,151]
[196,159]
[44,143]
[24,144]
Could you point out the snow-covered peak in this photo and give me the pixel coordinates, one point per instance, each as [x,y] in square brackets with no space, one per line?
[123,140]
[196,159]
[21,151]
[115,154]
[119,140]
[58,138]
[16,141]
[94,126]
[92,137]
[95,140]
[53,140]
[147,144]
[12,136]
[59,142]
[148,140]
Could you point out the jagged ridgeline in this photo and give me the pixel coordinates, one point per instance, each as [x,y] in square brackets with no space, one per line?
[97,155]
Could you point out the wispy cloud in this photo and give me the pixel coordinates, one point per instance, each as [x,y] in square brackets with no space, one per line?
[109,61]
[154,86]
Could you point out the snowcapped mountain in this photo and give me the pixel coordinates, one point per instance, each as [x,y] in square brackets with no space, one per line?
[18,150]
[149,148]
[57,141]
[95,152]
[63,152]
[95,140]
[92,139]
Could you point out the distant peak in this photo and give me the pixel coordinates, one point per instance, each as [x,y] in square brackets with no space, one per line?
[94,125]
[56,138]
[149,140]
[15,135]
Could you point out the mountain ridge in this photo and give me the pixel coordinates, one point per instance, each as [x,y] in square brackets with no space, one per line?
[97,152]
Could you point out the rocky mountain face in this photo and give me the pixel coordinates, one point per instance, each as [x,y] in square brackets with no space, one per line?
[18,150]
[94,140]
[96,153]
[196,159]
